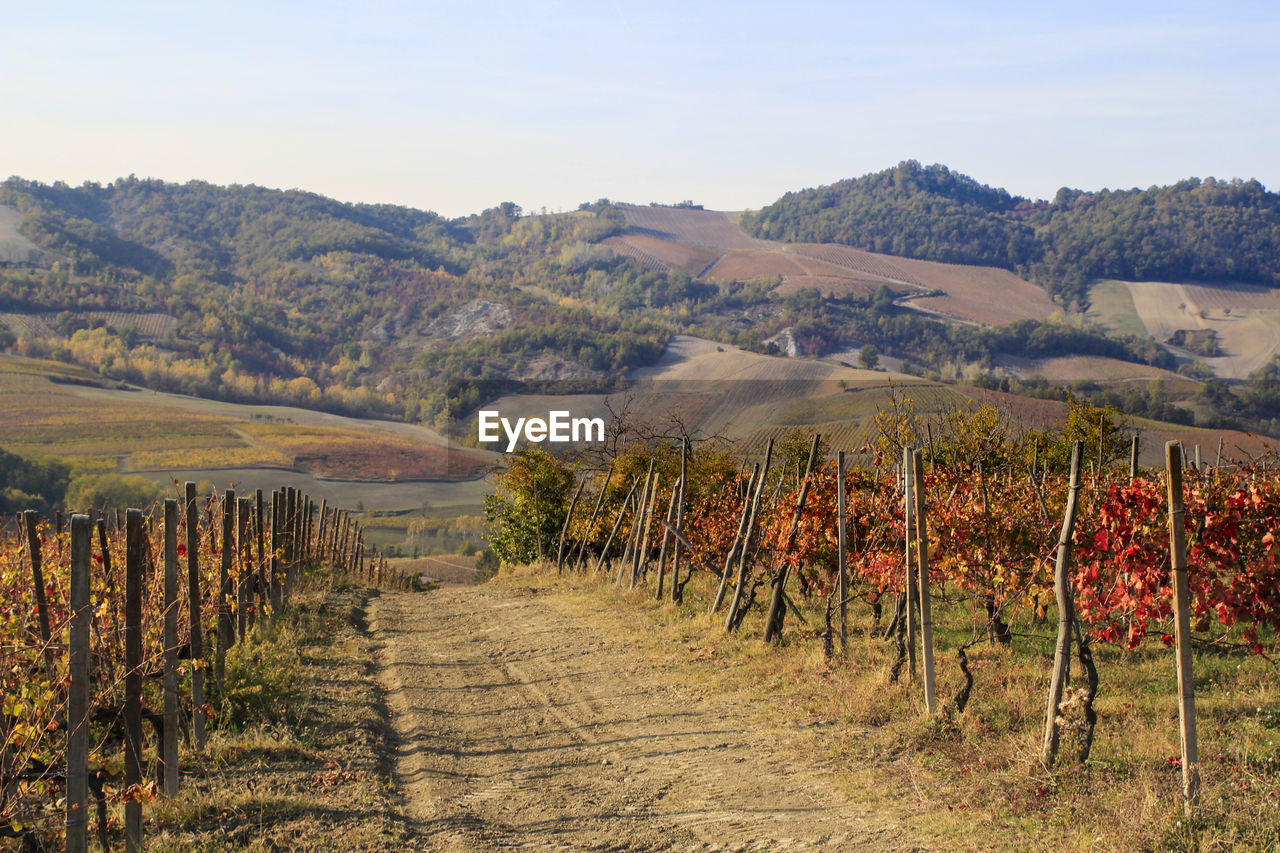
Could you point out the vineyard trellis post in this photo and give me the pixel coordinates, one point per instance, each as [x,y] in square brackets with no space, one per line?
[77,793]
[31,520]
[1066,613]
[737,540]
[731,619]
[193,609]
[133,677]
[922,560]
[591,523]
[641,499]
[264,566]
[909,587]
[276,594]
[778,604]
[1182,629]
[1133,459]
[243,576]
[666,538]
[842,568]
[603,561]
[677,589]
[564,528]
[641,557]
[169,741]
[226,627]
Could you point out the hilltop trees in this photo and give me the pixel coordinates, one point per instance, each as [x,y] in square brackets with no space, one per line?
[1195,229]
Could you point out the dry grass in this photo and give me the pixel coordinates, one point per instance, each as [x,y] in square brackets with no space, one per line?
[747,265]
[212,459]
[664,255]
[40,416]
[974,780]
[363,454]
[315,779]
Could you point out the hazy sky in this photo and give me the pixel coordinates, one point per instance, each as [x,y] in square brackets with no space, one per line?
[457,106]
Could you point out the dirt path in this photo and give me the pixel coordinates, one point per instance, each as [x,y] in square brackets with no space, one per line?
[521,726]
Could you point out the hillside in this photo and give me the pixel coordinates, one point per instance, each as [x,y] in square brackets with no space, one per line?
[255,296]
[1197,230]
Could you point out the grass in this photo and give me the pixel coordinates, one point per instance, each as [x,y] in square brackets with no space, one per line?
[211,458]
[1111,305]
[298,762]
[974,780]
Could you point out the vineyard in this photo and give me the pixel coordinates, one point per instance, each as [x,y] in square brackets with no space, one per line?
[116,621]
[958,544]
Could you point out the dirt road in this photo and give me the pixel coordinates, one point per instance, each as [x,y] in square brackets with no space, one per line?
[521,725]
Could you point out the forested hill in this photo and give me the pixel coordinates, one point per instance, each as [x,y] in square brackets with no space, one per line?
[253,294]
[1196,229]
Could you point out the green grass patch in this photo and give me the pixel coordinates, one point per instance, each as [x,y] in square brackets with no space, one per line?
[1111,305]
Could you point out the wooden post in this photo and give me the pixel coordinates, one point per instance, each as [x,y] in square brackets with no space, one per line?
[1066,613]
[133,677]
[322,528]
[31,519]
[564,528]
[737,540]
[1102,438]
[77,811]
[778,605]
[290,544]
[922,562]
[908,525]
[276,596]
[169,747]
[226,625]
[677,590]
[244,578]
[197,626]
[744,553]
[1133,459]
[617,523]
[1182,629]
[641,557]
[591,523]
[264,564]
[630,547]
[842,568]
[669,520]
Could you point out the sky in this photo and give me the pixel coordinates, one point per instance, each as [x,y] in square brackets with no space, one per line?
[457,106]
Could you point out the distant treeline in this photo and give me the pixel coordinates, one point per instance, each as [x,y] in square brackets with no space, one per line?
[1193,230]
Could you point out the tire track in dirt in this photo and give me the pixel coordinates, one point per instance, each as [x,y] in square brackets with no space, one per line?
[521,727]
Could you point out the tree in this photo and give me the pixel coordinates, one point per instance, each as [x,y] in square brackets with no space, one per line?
[527,508]
[869,357]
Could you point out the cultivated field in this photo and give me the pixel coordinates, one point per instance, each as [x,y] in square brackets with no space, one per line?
[1246,319]
[52,409]
[979,294]
[1100,369]
[692,226]
[748,264]
[712,247]
[149,325]
[665,255]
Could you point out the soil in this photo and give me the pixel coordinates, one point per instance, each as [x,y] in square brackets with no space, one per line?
[518,723]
